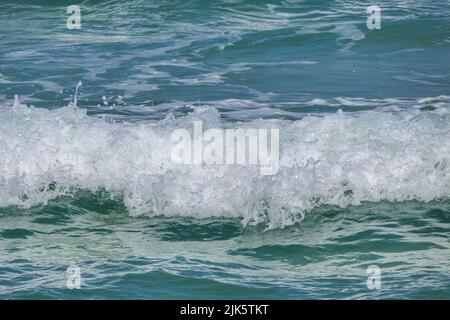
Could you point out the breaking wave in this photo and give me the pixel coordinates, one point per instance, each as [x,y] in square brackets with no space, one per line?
[329,159]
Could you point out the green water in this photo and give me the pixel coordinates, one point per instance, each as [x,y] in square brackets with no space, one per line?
[326,256]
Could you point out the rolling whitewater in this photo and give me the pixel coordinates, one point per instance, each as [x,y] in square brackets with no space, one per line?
[87,182]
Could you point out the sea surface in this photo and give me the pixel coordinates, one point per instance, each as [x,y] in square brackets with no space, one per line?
[360,205]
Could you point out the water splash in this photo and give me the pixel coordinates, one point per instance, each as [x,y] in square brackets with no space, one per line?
[74,103]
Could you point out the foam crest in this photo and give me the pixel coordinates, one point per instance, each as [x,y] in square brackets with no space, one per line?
[338,159]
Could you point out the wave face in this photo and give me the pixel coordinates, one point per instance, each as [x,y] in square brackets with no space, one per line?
[334,159]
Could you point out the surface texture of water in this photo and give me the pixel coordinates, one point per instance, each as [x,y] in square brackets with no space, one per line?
[364,179]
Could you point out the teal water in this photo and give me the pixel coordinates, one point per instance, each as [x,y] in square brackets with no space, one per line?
[86,178]
[325,256]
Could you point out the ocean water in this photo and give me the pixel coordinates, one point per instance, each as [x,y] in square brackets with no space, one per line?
[87,181]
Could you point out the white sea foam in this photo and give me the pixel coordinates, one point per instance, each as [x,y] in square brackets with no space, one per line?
[340,159]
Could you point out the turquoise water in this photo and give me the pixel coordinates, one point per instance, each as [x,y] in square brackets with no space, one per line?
[86,177]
